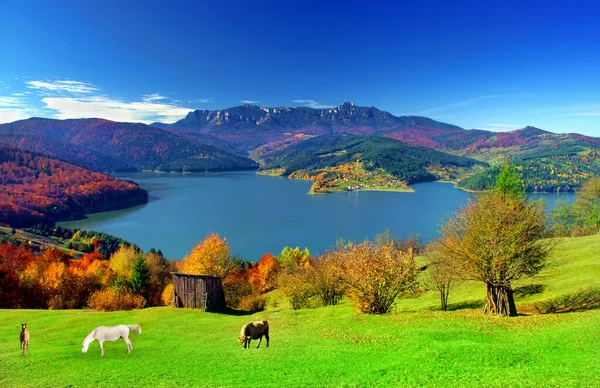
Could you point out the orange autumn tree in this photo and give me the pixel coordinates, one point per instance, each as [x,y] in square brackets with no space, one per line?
[211,257]
[263,276]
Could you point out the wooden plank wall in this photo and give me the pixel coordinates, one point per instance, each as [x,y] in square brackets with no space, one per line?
[190,292]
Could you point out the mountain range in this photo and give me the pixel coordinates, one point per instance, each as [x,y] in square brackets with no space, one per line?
[244,137]
[259,129]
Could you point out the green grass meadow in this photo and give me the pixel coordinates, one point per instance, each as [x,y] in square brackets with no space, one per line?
[333,346]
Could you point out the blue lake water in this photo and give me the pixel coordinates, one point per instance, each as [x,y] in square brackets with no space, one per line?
[259,214]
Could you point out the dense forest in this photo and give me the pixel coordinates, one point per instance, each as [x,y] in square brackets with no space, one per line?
[104,145]
[550,170]
[407,163]
[38,189]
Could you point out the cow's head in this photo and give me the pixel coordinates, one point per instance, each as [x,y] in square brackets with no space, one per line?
[244,341]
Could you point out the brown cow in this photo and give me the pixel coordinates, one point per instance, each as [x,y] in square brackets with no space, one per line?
[254,330]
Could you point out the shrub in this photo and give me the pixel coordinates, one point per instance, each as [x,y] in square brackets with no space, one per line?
[236,287]
[296,289]
[374,274]
[581,231]
[114,299]
[167,295]
[328,289]
[252,303]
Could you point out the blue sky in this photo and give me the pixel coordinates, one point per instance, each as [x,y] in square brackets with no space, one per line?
[472,64]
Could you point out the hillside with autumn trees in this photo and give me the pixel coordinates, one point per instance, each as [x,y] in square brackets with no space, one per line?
[37,189]
[104,145]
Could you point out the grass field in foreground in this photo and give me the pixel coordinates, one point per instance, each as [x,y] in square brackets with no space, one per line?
[333,346]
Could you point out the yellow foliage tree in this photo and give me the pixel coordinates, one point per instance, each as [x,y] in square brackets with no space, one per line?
[212,257]
[121,262]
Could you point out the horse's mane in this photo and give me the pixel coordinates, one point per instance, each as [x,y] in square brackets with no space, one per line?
[92,335]
[135,328]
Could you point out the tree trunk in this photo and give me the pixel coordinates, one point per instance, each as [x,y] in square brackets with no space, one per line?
[444,291]
[443,304]
[499,300]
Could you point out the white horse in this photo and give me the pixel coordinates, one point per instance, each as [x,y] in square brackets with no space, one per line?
[112,333]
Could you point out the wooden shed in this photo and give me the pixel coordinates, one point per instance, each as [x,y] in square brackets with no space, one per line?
[198,292]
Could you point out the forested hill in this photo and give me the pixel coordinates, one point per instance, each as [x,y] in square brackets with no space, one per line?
[38,189]
[407,163]
[104,145]
[560,169]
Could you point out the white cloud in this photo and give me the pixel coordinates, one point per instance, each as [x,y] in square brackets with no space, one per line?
[204,100]
[68,86]
[8,115]
[471,101]
[13,108]
[69,99]
[11,101]
[153,97]
[503,127]
[312,104]
[145,111]
[249,101]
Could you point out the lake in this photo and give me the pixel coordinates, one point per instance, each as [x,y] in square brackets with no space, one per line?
[259,214]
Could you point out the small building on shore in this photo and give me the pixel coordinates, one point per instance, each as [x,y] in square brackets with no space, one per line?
[198,292]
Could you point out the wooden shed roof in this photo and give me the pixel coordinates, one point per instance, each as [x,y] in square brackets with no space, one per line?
[194,275]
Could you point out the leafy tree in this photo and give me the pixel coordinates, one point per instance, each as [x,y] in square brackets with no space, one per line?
[140,276]
[210,257]
[587,204]
[121,262]
[159,276]
[263,276]
[509,182]
[294,258]
[562,219]
[495,239]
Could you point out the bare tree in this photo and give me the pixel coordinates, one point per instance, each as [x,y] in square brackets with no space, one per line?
[441,274]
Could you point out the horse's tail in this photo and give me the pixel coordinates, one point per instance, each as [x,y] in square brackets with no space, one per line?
[135,328]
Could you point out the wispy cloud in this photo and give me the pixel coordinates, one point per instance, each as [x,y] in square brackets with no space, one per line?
[114,109]
[204,100]
[68,86]
[13,108]
[312,104]
[67,99]
[249,101]
[153,97]
[503,127]
[472,101]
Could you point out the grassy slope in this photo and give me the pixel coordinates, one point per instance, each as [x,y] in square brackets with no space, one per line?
[326,346]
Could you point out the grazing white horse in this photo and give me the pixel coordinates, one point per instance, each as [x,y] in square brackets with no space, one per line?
[112,333]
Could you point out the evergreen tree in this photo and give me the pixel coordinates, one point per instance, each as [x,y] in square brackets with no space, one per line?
[509,182]
[140,276]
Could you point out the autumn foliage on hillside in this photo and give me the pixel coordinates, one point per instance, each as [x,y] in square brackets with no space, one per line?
[37,189]
[54,280]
